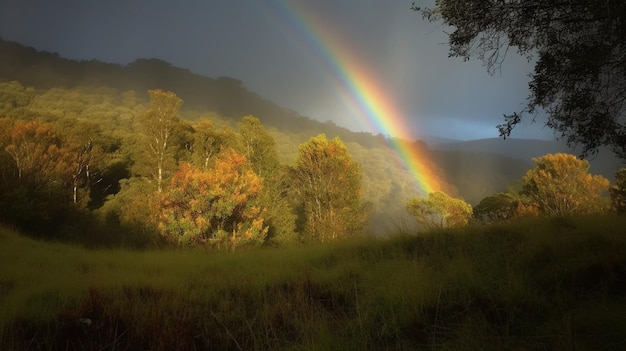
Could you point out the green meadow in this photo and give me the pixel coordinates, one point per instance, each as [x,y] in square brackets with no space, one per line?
[540,284]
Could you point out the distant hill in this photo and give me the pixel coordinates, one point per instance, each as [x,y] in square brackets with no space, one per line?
[604,163]
[225,96]
[479,174]
[523,149]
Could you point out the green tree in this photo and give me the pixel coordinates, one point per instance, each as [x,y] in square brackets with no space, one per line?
[560,184]
[496,208]
[439,210]
[207,143]
[328,183]
[133,211]
[578,47]
[85,146]
[159,122]
[618,191]
[259,148]
[14,95]
[215,206]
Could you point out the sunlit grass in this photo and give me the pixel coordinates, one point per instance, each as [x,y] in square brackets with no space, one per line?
[531,285]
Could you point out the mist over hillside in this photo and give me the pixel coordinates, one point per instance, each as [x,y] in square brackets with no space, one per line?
[604,162]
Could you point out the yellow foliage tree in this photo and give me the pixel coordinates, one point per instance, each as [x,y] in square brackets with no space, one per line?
[439,210]
[328,183]
[560,185]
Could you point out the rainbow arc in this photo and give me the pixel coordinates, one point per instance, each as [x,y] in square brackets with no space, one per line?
[358,85]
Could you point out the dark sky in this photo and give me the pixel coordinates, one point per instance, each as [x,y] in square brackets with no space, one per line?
[258,42]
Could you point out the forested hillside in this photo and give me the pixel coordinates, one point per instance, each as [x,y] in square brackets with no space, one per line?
[93,111]
[225,96]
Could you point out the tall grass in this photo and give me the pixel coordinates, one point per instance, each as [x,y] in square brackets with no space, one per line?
[557,284]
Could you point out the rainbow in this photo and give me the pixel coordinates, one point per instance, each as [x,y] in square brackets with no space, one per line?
[358,84]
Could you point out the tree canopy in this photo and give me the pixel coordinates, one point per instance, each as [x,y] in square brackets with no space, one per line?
[580,59]
[560,184]
[215,206]
[439,210]
[328,183]
[159,122]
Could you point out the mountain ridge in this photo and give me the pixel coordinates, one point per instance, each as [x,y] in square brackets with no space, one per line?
[604,162]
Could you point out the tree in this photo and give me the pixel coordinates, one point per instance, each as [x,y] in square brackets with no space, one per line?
[618,191]
[159,123]
[133,211]
[13,95]
[207,143]
[439,210]
[37,188]
[328,183]
[83,143]
[504,207]
[500,207]
[561,185]
[33,147]
[580,53]
[259,148]
[215,206]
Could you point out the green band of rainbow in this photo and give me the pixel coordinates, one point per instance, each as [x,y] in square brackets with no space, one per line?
[358,85]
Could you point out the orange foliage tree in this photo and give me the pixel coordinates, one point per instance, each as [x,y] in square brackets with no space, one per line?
[561,185]
[34,148]
[38,184]
[215,206]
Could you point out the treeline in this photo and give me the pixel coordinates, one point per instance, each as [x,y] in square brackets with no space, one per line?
[111,123]
[103,167]
[121,172]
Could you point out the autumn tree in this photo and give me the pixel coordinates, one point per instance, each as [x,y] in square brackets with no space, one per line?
[328,183]
[37,188]
[33,147]
[439,210]
[618,191]
[578,48]
[159,122]
[215,206]
[560,185]
[259,148]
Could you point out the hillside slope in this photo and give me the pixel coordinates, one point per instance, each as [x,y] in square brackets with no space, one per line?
[469,173]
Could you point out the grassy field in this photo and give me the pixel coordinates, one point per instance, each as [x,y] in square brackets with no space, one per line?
[545,284]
